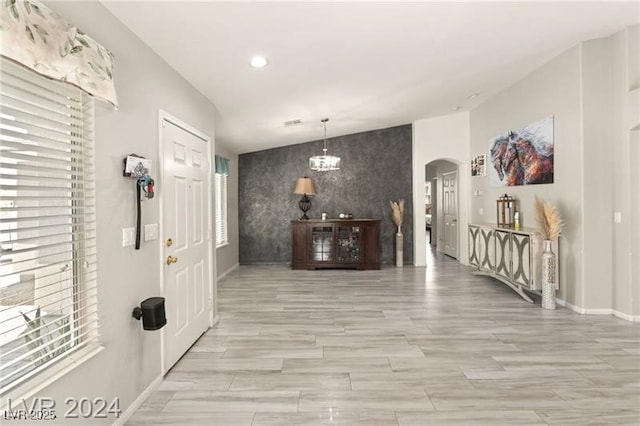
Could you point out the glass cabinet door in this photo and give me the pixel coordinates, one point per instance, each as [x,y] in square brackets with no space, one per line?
[348,244]
[322,243]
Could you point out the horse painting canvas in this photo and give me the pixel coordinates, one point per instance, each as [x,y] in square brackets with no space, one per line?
[523,156]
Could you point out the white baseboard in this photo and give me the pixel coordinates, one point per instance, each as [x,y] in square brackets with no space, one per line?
[622,315]
[215,320]
[228,271]
[599,311]
[128,413]
[583,311]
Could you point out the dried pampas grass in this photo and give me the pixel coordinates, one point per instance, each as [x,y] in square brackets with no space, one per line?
[397,212]
[549,220]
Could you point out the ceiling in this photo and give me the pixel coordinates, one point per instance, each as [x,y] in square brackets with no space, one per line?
[363,65]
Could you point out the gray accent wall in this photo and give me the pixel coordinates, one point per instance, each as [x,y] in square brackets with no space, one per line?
[375,168]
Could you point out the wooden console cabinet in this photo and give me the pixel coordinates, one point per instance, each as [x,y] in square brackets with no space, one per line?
[509,255]
[349,243]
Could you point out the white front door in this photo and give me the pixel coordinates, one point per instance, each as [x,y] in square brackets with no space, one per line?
[450,213]
[186,234]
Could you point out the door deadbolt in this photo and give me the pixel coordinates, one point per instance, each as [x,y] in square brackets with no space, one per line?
[171,259]
[169,242]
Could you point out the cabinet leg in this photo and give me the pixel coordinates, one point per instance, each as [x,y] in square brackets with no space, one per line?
[521,292]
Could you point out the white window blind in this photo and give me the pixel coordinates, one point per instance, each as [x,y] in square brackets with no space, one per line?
[221,209]
[48,294]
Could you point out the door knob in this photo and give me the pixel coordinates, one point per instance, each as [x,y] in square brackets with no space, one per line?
[171,259]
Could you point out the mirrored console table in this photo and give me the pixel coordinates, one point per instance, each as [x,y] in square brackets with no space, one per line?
[509,255]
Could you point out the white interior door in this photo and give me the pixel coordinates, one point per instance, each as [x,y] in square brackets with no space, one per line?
[450,213]
[186,234]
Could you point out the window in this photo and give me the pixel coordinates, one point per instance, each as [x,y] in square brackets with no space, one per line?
[222,236]
[48,295]
[222,172]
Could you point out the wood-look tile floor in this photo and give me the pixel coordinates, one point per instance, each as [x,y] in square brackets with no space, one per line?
[399,346]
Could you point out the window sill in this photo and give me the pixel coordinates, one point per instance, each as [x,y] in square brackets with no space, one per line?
[49,376]
[222,245]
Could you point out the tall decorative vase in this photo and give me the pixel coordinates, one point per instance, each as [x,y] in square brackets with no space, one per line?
[399,246]
[548,276]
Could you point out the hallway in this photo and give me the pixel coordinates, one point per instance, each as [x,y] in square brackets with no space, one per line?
[399,346]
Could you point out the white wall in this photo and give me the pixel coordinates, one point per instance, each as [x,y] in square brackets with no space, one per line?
[634,259]
[587,91]
[624,151]
[447,138]
[597,196]
[130,361]
[554,89]
[227,256]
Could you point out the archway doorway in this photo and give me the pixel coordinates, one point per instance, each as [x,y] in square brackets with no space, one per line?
[441,206]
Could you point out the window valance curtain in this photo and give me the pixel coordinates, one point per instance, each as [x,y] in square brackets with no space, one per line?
[36,37]
[222,166]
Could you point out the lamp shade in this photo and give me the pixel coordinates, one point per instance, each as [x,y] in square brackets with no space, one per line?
[304,185]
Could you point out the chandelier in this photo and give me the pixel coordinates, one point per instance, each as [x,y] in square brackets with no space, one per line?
[324,162]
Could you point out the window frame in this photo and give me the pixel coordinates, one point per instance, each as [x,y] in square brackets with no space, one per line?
[77,292]
[222,209]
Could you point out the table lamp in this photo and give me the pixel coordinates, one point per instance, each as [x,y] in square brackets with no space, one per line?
[305,187]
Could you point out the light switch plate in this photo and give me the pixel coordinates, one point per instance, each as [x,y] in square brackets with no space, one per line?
[617,217]
[128,237]
[151,232]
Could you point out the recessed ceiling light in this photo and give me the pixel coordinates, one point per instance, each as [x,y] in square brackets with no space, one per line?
[258,62]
